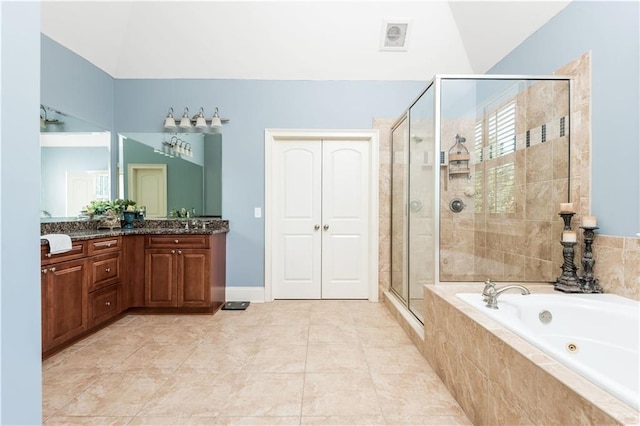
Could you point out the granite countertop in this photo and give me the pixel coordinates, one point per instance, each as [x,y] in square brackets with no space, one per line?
[87,230]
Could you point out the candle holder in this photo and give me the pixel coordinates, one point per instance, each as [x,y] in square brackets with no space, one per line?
[588,283]
[566,216]
[568,282]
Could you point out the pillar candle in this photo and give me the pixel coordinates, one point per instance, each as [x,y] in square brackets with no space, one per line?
[566,207]
[569,237]
[589,222]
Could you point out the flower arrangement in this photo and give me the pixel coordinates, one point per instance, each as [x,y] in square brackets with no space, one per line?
[100,207]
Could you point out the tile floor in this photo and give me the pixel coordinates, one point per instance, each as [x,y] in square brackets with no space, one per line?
[281,363]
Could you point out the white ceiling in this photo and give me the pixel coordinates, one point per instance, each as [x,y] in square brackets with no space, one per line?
[295,40]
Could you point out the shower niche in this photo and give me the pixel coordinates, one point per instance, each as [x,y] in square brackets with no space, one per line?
[503,146]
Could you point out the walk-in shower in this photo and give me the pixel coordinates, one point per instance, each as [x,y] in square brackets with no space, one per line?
[480,165]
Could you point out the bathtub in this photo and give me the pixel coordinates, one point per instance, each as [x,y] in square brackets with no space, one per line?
[596,335]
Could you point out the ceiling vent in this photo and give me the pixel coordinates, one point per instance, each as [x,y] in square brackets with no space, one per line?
[395,35]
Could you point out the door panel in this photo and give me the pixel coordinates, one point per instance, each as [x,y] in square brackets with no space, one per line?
[193,277]
[297,211]
[148,186]
[345,206]
[160,283]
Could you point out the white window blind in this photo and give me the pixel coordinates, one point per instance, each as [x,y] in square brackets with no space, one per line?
[501,128]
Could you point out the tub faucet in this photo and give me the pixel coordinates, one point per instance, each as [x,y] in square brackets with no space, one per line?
[490,293]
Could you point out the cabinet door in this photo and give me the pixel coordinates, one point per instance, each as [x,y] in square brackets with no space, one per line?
[66,308]
[160,278]
[194,289]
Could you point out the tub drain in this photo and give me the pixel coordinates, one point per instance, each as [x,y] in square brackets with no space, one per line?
[572,347]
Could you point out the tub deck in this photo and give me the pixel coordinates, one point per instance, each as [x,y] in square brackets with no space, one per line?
[498,377]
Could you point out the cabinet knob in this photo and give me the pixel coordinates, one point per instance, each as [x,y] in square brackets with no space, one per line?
[53,269]
[107,270]
[45,270]
[179,251]
[48,254]
[176,241]
[107,303]
[108,245]
[173,252]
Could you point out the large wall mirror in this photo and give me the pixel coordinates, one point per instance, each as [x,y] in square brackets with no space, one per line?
[168,173]
[163,172]
[75,164]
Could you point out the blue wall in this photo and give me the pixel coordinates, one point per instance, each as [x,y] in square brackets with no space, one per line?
[20,352]
[611,31]
[252,106]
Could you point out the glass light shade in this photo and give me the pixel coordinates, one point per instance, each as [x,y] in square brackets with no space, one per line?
[216,122]
[185,121]
[201,123]
[169,123]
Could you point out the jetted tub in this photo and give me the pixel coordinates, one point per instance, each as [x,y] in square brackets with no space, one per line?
[596,335]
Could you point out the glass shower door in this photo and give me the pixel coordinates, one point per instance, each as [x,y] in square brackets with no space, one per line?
[423,166]
[399,169]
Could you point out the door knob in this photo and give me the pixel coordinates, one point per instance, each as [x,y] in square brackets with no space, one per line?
[316,227]
[325,227]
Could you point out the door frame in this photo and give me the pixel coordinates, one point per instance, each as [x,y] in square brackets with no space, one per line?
[273,136]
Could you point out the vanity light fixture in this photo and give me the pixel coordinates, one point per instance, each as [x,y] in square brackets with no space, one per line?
[44,120]
[198,120]
[178,146]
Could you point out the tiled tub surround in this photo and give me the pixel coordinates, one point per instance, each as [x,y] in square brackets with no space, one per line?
[499,378]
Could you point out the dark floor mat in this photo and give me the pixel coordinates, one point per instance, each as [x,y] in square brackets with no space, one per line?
[235,306]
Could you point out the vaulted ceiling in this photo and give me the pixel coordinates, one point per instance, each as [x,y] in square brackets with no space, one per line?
[294,40]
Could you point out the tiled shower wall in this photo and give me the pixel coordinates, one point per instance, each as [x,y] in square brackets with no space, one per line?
[617,258]
[515,245]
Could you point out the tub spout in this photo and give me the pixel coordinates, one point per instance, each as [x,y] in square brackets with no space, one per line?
[491,296]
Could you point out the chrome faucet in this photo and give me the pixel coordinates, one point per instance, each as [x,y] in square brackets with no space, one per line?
[490,293]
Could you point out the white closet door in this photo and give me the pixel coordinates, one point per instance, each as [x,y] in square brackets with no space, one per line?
[297,214]
[321,219]
[345,214]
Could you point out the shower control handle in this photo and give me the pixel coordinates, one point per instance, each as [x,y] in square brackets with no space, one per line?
[326,227]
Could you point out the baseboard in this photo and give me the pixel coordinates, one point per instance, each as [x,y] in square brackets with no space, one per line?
[251,294]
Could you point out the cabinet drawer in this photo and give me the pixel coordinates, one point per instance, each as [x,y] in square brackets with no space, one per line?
[105,269]
[105,245]
[182,241]
[104,304]
[78,250]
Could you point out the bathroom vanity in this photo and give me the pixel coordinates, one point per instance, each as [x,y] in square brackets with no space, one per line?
[157,267]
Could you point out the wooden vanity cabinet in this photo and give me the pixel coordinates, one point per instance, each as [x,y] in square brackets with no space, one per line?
[178,271]
[64,312]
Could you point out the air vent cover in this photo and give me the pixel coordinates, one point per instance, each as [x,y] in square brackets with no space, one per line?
[395,34]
